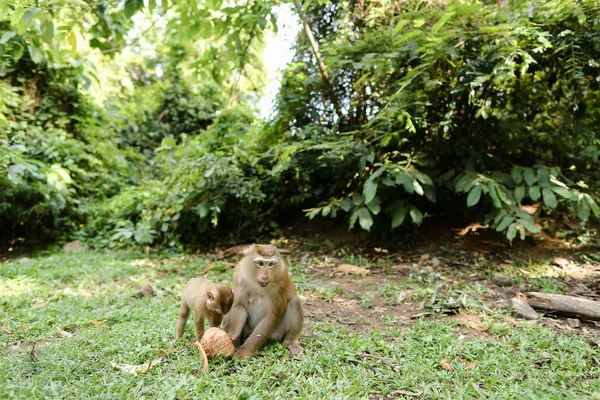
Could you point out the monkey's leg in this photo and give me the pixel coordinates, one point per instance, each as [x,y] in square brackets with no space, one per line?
[184,313]
[215,320]
[290,326]
[257,338]
[236,319]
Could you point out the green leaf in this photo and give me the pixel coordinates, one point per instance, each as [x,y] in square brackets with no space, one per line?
[353,218]
[529,224]
[132,7]
[464,183]
[474,196]
[504,223]
[522,232]
[17,21]
[549,198]
[502,177]
[564,193]
[346,204]
[496,216]
[511,232]
[430,192]
[445,18]
[519,193]
[534,193]
[593,206]
[424,178]
[581,18]
[529,176]
[502,194]
[377,173]
[416,215]
[374,206]
[36,54]
[543,177]
[6,36]
[47,28]
[387,181]
[403,179]
[370,190]
[494,196]
[364,219]
[18,52]
[517,175]
[72,40]
[583,209]
[30,13]
[399,215]
[418,188]
[4,8]
[447,175]
[203,209]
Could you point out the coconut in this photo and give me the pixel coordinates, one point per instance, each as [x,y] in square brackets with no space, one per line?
[216,342]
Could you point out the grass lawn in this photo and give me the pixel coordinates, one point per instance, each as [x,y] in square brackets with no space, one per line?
[68,316]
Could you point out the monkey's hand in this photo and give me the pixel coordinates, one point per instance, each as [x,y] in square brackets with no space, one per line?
[236,318]
[241,354]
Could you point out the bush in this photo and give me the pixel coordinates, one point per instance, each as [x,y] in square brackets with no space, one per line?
[54,154]
[492,104]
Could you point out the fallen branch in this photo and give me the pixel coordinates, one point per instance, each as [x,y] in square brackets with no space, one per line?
[565,305]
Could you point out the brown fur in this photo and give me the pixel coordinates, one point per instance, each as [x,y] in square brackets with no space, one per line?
[266,304]
[208,300]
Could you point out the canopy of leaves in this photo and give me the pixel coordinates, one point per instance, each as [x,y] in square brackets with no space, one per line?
[423,107]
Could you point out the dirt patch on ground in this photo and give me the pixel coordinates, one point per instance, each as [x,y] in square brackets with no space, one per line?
[357,303]
[460,263]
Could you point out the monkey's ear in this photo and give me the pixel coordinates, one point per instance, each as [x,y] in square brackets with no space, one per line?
[210,295]
[250,250]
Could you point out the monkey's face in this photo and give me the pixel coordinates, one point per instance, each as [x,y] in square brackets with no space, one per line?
[266,269]
[213,303]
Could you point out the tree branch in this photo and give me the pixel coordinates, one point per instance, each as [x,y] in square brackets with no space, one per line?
[315,48]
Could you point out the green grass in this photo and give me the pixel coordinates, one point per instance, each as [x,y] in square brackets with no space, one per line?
[68,291]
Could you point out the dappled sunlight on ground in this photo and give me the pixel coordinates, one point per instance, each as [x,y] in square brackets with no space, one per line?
[18,286]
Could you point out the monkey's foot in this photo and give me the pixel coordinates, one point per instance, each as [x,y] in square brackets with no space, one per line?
[295,349]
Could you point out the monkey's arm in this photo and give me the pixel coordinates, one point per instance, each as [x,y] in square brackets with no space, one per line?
[259,336]
[215,320]
[236,318]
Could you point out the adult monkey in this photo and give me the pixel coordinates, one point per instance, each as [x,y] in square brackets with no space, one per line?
[265,303]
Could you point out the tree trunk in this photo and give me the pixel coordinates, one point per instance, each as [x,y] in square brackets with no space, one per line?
[315,48]
[565,305]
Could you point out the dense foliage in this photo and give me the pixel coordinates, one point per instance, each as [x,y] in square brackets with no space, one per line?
[53,151]
[424,108]
[494,102]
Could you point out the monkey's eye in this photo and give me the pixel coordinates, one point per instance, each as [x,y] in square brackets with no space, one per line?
[270,265]
[260,263]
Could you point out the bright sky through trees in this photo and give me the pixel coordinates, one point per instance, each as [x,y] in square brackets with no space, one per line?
[278,53]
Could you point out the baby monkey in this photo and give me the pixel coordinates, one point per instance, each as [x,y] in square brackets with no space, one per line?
[208,300]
